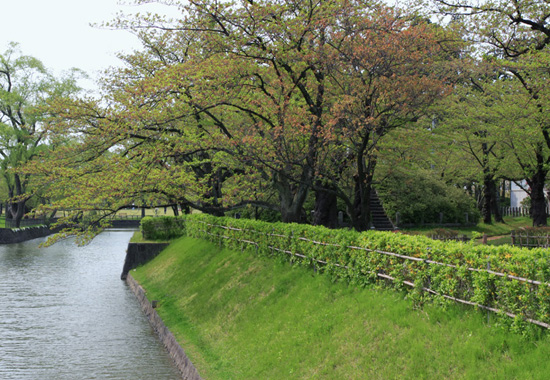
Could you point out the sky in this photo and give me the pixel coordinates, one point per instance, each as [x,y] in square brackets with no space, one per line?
[58,32]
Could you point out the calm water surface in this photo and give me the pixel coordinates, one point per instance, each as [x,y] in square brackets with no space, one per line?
[65,314]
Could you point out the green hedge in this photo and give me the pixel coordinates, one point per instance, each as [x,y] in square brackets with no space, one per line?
[345,255]
[162,227]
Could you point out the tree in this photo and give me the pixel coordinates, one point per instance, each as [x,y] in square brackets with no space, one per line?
[25,86]
[285,80]
[388,72]
[470,121]
[516,36]
[236,101]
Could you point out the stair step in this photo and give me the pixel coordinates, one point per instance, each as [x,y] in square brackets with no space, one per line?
[380,220]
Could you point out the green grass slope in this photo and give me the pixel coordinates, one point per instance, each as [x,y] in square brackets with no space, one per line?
[239,316]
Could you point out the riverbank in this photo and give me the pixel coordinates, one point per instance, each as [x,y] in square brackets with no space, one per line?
[245,317]
[187,369]
[9,236]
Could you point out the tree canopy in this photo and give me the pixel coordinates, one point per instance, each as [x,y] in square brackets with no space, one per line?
[25,88]
[288,105]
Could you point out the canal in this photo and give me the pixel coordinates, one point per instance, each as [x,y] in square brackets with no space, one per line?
[65,314]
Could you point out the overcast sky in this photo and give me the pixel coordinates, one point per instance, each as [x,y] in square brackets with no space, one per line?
[58,32]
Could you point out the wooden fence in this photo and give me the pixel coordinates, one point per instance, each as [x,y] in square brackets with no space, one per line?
[527,240]
[317,263]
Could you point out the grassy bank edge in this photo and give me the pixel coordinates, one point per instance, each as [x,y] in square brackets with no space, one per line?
[226,307]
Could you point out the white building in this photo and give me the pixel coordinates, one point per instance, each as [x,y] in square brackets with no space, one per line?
[517,194]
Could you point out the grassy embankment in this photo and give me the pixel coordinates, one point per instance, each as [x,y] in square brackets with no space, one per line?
[239,316]
[137,237]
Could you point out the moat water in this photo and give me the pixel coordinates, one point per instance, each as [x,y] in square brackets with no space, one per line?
[65,314]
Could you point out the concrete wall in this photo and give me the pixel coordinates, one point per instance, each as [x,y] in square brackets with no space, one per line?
[9,236]
[140,253]
[181,360]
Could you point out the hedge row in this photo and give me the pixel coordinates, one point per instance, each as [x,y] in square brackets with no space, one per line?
[428,268]
[162,227]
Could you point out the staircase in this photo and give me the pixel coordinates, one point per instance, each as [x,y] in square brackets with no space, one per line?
[380,220]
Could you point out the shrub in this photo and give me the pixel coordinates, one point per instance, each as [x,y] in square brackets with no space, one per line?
[421,197]
[446,270]
[162,227]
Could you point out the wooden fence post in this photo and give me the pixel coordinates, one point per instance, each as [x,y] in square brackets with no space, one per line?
[513,237]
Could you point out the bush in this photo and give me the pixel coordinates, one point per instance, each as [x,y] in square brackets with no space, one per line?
[451,269]
[421,197]
[162,227]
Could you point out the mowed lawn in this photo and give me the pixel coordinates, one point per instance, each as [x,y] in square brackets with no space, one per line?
[239,316]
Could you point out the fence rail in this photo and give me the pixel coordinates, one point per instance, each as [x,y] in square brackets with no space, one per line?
[526,240]
[381,273]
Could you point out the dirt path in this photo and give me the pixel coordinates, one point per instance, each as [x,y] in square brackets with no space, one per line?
[496,237]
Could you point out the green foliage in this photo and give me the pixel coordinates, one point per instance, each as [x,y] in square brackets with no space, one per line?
[536,231]
[494,229]
[258,213]
[420,197]
[358,258]
[26,87]
[162,227]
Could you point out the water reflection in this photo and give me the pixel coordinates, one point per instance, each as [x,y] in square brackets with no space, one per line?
[65,314]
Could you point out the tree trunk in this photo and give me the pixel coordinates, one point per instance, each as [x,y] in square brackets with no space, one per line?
[361,213]
[291,197]
[291,208]
[175,209]
[185,209]
[495,204]
[538,200]
[487,198]
[19,214]
[326,208]
[490,206]
[17,208]
[361,208]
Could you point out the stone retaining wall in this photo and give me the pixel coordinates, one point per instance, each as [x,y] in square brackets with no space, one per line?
[140,253]
[188,370]
[9,236]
